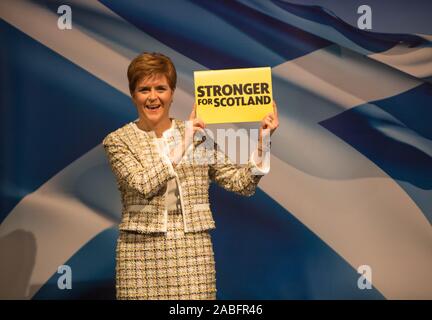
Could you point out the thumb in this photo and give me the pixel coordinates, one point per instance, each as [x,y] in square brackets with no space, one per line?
[193,113]
[263,124]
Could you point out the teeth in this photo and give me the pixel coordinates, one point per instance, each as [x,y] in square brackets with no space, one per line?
[152,107]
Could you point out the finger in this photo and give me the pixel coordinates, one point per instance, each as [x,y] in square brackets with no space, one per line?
[266,118]
[275,109]
[199,122]
[272,119]
[275,113]
[267,124]
[193,113]
[273,124]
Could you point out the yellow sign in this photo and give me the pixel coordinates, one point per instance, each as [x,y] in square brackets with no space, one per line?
[233,95]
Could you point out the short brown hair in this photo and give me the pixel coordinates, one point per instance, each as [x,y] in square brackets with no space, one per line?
[149,64]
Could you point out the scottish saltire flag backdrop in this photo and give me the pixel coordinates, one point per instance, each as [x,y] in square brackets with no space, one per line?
[351,167]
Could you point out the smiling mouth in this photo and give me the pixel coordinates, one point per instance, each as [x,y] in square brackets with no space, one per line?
[153,107]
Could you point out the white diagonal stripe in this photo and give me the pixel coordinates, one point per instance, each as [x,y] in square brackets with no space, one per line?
[318,201]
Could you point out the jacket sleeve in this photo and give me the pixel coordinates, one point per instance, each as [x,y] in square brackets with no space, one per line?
[130,172]
[241,179]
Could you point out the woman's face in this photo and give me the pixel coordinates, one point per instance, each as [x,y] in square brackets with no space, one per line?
[152,98]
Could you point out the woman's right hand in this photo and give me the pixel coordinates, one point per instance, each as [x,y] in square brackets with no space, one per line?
[193,125]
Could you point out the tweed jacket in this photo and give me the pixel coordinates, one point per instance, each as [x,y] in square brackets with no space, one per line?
[142,172]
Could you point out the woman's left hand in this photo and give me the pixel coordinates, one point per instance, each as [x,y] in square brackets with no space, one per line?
[268,124]
[270,121]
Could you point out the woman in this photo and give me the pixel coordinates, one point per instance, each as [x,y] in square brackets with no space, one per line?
[164,249]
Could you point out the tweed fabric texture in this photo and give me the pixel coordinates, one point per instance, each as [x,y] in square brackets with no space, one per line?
[171,266]
[165,254]
[142,173]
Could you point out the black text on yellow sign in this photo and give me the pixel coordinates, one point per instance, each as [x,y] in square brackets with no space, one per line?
[233,95]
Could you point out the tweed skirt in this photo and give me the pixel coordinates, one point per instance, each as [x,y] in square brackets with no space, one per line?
[168,266]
